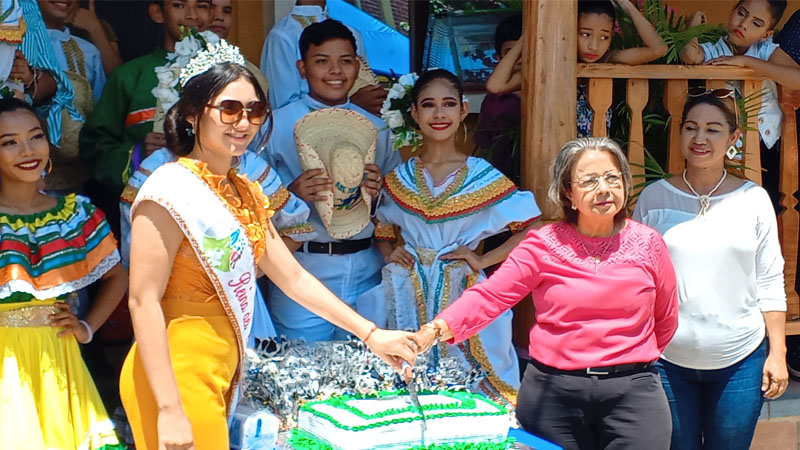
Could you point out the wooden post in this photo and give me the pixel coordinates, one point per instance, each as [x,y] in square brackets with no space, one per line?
[548,110]
[548,92]
[789,220]
[601,91]
[248,29]
[637,94]
[674,99]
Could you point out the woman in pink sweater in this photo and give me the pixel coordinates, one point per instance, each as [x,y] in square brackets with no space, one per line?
[606,306]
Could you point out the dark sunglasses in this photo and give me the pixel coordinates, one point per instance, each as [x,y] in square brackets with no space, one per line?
[231,111]
[700,91]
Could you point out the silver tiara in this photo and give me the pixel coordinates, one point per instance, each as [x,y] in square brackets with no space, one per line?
[217,53]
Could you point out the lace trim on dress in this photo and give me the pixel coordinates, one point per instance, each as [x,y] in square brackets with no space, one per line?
[64,288]
[634,244]
[250,207]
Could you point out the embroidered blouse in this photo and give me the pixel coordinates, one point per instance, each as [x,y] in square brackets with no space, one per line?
[625,312]
[55,252]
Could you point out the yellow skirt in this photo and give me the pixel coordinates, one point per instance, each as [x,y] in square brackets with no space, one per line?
[205,356]
[47,397]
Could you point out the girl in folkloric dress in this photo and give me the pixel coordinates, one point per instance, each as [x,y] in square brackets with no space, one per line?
[50,247]
[445,203]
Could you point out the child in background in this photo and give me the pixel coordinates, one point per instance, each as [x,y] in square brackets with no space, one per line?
[119,132]
[595,30]
[501,113]
[348,267]
[749,44]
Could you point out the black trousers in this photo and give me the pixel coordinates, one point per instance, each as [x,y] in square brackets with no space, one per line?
[582,412]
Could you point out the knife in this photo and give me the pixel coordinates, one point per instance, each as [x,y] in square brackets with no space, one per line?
[412,392]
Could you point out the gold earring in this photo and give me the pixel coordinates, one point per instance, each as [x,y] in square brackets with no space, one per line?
[49,167]
[465,131]
[732,152]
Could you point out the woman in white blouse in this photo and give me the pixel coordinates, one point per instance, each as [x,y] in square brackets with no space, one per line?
[722,236]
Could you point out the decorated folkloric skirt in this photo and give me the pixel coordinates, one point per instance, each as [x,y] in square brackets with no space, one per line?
[47,397]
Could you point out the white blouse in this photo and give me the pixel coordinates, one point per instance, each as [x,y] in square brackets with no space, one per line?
[729,268]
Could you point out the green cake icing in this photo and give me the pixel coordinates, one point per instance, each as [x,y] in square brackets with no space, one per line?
[466,401]
[300,440]
[461,406]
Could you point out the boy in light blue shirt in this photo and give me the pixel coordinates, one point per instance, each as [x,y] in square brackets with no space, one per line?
[348,267]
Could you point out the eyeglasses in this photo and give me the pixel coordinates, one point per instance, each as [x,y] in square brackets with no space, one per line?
[231,111]
[700,91]
[590,182]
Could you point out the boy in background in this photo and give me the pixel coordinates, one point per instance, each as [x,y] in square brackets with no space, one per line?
[347,267]
[281,52]
[119,132]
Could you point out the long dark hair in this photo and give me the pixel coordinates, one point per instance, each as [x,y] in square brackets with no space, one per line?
[11,104]
[199,92]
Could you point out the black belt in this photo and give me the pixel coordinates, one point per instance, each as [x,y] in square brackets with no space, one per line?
[601,371]
[337,248]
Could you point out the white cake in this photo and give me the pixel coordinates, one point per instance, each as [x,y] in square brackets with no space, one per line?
[391,421]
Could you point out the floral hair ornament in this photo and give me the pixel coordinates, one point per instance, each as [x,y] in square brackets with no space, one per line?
[171,76]
[396,112]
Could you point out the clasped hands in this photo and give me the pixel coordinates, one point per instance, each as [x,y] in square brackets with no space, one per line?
[396,347]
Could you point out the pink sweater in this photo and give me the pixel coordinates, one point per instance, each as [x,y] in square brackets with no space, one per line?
[625,313]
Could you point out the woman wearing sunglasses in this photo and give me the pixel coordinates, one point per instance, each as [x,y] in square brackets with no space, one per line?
[722,235]
[604,292]
[198,232]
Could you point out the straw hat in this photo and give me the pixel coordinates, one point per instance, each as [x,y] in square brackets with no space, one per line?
[69,172]
[342,142]
[365,77]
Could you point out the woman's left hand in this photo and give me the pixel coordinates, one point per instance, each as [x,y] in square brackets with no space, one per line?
[463,252]
[393,346]
[775,377]
[64,318]
[372,180]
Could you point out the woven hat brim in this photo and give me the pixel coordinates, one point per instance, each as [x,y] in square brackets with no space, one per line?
[366,77]
[316,135]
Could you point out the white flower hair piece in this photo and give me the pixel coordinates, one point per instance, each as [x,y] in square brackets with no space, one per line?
[396,112]
[218,53]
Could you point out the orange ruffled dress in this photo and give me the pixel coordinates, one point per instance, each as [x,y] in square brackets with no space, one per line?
[202,344]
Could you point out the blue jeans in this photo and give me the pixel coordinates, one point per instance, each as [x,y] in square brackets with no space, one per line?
[714,409]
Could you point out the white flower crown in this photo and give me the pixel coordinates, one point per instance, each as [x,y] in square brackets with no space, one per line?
[218,53]
[194,54]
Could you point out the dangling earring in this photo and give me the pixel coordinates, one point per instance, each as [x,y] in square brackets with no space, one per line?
[190,130]
[573,207]
[465,131]
[49,167]
[732,152]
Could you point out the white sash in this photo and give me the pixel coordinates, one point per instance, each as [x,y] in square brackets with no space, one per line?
[217,237]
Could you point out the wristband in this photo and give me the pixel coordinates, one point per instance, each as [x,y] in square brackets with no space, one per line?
[436,330]
[88,330]
[374,327]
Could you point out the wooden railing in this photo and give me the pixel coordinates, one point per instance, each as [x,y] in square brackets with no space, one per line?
[600,93]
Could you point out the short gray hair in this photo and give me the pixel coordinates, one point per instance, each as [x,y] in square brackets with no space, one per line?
[561,172]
